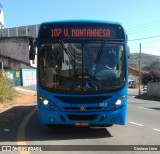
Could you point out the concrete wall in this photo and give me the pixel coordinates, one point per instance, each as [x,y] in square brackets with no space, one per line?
[153,89]
[14,52]
[31,31]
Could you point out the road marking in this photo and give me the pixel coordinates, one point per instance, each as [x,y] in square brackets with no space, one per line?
[144,108]
[156,129]
[21,131]
[136,124]
[6,130]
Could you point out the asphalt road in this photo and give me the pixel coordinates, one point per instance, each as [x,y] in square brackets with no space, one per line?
[142,128]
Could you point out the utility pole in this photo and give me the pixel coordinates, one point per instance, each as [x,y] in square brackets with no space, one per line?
[139,69]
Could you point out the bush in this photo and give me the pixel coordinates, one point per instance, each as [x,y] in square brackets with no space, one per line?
[7,92]
[152,76]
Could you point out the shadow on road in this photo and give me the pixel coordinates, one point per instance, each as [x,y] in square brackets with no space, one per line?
[11,119]
[144,96]
[67,133]
[13,114]
[155,108]
[37,132]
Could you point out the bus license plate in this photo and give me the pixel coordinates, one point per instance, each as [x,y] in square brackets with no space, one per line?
[82,124]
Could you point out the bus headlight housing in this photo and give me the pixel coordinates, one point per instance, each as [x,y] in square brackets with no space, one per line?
[47,103]
[116,105]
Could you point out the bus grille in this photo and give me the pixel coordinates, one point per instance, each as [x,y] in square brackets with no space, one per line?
[78,108]
[82,100]
[82,117]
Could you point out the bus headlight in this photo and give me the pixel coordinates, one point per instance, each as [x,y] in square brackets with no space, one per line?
[118,102]
[116,105]
[45,102]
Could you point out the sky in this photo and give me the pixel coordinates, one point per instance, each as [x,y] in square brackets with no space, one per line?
[140,18]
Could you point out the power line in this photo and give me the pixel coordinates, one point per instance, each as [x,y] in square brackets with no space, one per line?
[157,22]
[145,38]
[147,28]
[144,27]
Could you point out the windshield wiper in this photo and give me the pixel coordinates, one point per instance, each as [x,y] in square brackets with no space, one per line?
[100,52]
[66,50]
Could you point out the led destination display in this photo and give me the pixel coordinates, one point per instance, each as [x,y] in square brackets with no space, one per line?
[83,32]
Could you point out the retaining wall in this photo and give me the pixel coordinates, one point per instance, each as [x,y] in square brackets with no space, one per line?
[153,89]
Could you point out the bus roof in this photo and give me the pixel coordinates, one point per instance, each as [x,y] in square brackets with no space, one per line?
[83,21]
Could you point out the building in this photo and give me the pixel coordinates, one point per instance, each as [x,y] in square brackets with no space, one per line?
[1,18]
[133,74]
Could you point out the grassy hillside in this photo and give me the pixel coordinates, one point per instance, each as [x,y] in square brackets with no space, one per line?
[146,59]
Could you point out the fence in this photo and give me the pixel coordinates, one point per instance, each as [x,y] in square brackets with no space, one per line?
[14,76]
[24,77]
[29,78]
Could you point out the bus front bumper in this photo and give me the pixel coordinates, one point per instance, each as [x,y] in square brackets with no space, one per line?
[83,118]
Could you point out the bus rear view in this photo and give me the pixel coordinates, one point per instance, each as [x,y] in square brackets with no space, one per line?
[82,73]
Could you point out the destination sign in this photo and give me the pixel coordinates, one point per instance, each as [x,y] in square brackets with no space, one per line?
[83,32]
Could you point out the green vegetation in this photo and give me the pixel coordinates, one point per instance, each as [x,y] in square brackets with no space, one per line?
[7,92]
[155,65]
[152,76]
[150,66]
[148,61]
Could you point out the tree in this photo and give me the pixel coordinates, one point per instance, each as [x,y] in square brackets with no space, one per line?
[152,76]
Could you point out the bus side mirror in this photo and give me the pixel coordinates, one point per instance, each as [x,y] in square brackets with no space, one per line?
[32,48]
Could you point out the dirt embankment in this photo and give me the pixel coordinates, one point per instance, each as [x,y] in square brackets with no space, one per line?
[17,108]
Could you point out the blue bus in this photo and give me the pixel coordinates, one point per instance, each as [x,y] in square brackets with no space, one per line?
[82,73]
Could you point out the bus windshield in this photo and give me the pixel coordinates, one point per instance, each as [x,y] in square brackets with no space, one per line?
[81,66]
